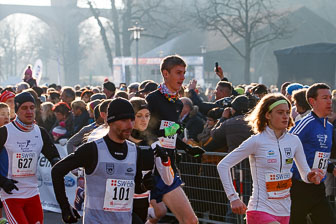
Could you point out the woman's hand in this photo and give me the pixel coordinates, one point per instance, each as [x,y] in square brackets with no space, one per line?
[238,207]
[315,176]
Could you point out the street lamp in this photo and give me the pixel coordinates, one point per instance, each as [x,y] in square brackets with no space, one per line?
[136,36]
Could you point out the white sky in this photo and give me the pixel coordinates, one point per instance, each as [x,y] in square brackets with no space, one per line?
[81,3]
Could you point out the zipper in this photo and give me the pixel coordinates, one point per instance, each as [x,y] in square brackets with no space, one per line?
[280,155]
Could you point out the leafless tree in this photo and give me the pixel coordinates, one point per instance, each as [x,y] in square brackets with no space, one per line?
[253,21]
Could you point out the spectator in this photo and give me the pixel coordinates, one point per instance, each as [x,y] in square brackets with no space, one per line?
[301,104]
[54,97]
[48,116]
[121,94]
[222,96]
[90,108]
[148,88]
[191,119]
[80,115]
[289,92]
[259,91]
[85,95]
[133,87]
[109,89]
[62,112]
[98,96]
[68,95]
[21,86]
[28,77]
[7,97]
[284,87]
[212,118]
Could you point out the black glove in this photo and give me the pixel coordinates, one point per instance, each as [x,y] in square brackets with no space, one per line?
[162,153]
[8,185]
[147,182]
[194,151]
[70,215]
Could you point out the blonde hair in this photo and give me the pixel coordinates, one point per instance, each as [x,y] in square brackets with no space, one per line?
[257,117]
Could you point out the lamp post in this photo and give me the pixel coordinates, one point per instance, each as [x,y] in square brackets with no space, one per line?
[136,36]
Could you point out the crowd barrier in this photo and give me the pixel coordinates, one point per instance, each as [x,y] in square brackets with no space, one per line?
[205,191]
[202,186]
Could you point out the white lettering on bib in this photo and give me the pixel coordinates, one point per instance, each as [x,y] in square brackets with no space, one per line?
[167,142]
[119,195]
[24,164]
[321,161]
[278,185]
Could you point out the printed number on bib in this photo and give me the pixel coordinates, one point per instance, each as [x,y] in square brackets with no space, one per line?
[24,164]
[278,185]
[321,160]
[119,195]
[167,142]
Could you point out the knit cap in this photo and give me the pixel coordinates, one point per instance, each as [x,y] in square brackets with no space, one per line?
[6,95]
[119,109]
[22,98]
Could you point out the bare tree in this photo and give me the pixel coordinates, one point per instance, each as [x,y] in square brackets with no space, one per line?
[150,14]
[253,21]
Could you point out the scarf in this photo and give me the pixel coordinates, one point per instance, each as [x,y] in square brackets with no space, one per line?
[23,127]
[170,96]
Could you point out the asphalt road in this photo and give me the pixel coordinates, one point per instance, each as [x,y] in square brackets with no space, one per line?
[50,218]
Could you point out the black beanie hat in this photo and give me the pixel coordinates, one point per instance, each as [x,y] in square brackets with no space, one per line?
[240,104]
[118,109]
[22,98]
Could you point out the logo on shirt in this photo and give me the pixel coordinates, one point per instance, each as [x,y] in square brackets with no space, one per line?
[271,161]
[109,168]
[288,152]
[322,139]
[270,153]
[289,161]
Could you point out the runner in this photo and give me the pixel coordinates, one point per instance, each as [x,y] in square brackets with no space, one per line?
[149,162]
[22,141]
[271,152]
[315,133]
[112,167]
[4,119]
[165,109]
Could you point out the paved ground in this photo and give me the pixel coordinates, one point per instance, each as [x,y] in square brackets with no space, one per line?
[51,218]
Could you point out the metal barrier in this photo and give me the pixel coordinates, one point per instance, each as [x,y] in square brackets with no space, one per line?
[205,191]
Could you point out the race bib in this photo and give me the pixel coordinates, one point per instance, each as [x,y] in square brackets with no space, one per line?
[167,142]
[119,195]
[24,164]
[321,160]
[278,185]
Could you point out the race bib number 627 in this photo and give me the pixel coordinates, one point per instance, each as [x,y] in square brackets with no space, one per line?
[24,164]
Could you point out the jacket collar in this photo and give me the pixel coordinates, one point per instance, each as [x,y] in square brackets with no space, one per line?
[269,131]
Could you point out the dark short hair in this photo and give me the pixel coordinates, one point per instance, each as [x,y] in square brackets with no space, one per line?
[54,94]
[312,90]
[300,99]
[171,61]
[103,106]
[225,84]
[109,86]
[69,92]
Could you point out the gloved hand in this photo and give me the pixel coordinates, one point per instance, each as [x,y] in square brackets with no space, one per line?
[194,151]
[147,182]
[171,130]
[8,185]
[70,215]
[162,153]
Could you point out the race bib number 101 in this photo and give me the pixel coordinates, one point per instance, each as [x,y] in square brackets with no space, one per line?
[119,195]
[24,164]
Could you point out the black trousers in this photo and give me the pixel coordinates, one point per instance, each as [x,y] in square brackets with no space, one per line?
[310,199]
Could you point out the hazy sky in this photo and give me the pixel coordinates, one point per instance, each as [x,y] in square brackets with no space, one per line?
[81,3]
